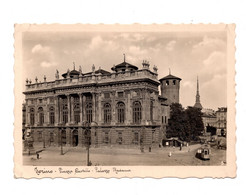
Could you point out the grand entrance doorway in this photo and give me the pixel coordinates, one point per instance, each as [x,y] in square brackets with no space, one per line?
[75,138]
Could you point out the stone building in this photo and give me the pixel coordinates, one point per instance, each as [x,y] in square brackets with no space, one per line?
[122,107]
[221,116]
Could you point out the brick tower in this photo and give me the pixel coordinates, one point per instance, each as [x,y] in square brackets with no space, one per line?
[170,88]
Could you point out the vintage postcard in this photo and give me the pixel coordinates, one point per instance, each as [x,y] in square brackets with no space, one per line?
[119,101]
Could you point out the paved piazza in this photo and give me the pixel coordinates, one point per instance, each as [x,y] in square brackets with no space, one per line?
[107,156]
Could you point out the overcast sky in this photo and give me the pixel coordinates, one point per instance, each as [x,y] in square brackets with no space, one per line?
[188,55]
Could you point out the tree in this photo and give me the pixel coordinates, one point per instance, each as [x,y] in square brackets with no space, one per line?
[211,129]
[187,124]
[194,123]
[177,122]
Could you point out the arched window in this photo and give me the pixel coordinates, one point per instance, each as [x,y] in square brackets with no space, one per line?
[88,110]
[137,112]
[120,112]
[64,111]
[107,113]
[52,115]
[41,115]
[32,116]
[76,110]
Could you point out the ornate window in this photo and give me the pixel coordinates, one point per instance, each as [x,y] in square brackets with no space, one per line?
[120,94]
[51,100]
[120,138]
[63,137]
[76,110]
[40,136]
[135,139]
[106,138]
[51,137]
[107,113]
[32,116]
[52,115]
[64,111]
[106,95]
[137,112]
[120,112]
[41,115]
[88,110]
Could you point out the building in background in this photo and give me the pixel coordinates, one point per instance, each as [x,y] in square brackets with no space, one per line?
[221,116]
[209,120]
[123,107]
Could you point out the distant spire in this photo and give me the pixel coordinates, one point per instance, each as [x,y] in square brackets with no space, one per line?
[197,87]
[73,65]
[124,57]
[169,71]
[198,103]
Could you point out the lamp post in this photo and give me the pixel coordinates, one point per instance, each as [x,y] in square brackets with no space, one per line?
[87,135]
[43,138]
[61,144]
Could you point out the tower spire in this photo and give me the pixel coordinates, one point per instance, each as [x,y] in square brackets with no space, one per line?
[74,65]
[124,57]
[198,103]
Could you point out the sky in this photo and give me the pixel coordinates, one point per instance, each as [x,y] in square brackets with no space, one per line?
[186,54]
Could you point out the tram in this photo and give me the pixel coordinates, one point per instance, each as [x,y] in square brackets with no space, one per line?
[204,152]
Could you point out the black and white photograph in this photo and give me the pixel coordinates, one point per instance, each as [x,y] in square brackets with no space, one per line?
[127,96]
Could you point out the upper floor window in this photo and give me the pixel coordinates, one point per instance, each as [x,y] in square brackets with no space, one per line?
[76,109]
[51,100]
[120,112]
[64,108]
[52,115]
[88,110]
[106,95]
[41,115]
[120,94]
[137,112]
[32,116]
[107,113]
[40,101]
[151,110]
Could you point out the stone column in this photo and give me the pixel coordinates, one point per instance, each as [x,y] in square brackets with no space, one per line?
[81,108]
[60,110]
[28,116]
[94,107]
[100,109]
[69,108]
[68,136]
[72,110]
[113,111]
[144,106]
[128,110]
[57,110]
[46,114]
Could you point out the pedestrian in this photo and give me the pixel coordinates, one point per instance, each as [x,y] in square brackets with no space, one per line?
[170,154]
[37,155]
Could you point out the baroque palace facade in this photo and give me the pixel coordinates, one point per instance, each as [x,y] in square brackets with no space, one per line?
[123,107]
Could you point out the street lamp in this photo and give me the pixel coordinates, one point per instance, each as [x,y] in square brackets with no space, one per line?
[87,135]
[61,144]
[43,138]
